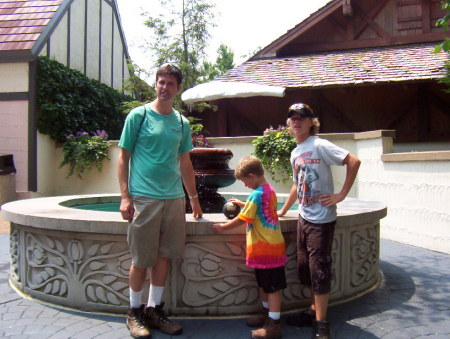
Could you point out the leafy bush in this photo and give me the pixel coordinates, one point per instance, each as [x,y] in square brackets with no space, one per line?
[274,149]
[82,152]
[68,101]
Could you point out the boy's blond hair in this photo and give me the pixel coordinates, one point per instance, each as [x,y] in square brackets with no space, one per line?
[248,165]
[314,128]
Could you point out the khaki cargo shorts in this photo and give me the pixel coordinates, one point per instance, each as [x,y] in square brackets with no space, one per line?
[158,229]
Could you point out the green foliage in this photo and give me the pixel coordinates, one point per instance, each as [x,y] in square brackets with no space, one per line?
[142,91]
[444,22]
[68,101]
[224,62]
[274,149]
[82,152]
[181,34]
[445,45]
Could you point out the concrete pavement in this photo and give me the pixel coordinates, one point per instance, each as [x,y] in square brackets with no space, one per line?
[413,301]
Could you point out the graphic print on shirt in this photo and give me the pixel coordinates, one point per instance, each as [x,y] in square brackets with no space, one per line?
[306,174]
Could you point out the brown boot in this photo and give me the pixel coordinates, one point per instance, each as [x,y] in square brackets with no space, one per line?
[271,330]
[135,323]
[321,330]
[259,319]
[155,317]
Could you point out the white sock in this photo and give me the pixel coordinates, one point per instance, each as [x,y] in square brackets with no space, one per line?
[135,298]
[155,295]
[265,304]
[275,315]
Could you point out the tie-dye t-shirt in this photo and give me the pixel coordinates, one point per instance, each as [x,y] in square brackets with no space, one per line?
[265,242]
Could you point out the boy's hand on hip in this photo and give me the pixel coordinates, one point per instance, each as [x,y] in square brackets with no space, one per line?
[329,200]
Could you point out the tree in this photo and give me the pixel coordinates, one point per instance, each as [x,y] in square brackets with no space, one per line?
[445,45]
[224,62]
[444,22]
[181,36]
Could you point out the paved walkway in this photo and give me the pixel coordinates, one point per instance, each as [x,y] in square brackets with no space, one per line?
[413,301]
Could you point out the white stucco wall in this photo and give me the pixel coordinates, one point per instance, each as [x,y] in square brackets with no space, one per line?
[14,119]
[77,29]
[53,180]
[416,192]
[14,77]
[14,138]
[107,44]
[58,41]
[93,47]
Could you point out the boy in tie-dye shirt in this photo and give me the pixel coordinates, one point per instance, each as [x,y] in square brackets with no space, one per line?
[265,244]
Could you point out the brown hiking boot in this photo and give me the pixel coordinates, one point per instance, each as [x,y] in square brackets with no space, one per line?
[259,319]
[135,323]
[155,317]
[321,330]
[271,330]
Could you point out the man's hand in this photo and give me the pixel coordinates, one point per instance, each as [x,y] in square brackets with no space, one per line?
[196,209]
[127,209]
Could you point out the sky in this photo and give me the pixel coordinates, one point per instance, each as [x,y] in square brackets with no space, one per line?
[244,26]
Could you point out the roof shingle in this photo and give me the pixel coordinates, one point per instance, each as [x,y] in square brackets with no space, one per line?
[347,67]
[21,22]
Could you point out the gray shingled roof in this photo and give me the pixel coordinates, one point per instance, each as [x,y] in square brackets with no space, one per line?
[21,22]
[347,67]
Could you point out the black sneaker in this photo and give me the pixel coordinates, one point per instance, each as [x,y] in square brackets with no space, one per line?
[155,317]
[301,319]
[135,323]
[321,330]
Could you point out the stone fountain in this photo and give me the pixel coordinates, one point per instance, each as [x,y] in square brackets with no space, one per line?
[211,173]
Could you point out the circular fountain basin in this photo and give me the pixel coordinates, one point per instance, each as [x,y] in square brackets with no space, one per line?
[79,258]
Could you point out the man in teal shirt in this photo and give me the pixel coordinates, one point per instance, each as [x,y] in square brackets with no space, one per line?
[153,164]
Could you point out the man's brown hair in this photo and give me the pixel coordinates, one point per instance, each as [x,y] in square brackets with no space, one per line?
[170,69]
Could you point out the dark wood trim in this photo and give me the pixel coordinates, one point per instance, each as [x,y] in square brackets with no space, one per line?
[32,128]
[402,109]
[16,56]
[293,49]
[299,29]
[342,31]
[423,112]
[16,96]
[426,17]
[440,103]
[368,19]
[328,107]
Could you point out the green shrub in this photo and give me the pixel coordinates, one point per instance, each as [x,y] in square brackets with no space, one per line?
[68,101]
[274,149]
[82,152]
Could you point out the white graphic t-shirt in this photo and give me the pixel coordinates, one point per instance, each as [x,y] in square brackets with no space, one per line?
[311,161]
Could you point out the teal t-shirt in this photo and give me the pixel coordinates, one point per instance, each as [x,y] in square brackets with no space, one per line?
[155,141]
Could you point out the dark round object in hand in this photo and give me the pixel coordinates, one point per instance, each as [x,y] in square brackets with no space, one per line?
[231,210]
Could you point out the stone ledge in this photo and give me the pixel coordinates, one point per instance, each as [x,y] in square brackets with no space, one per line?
[416,156]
